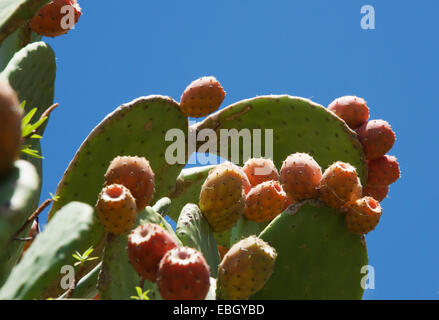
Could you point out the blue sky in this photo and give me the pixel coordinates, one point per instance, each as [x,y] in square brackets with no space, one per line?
[315,49]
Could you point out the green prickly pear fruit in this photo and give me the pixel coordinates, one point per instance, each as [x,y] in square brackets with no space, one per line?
[222,198]
[340,185]
[265,201]
[116,209]
[363,215]
[377,192]
[353,110]
[383,171]
[202,97]
[136,174]
[245,269]
[259,170]
[147,244]
[183,275]
[10,127]
[300,176]
[377,138]
[49,19]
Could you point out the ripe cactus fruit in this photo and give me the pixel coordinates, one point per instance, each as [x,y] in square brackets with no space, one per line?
[259,170]
[379,193]
[52,20]
[300,176]
[353,110]
[222,198]
[10,127]
[245,269]
[265,201]
[340,185]
[202,97]
[377,138]
[147,244]
[136,174]
[363,215]
[116,209]
[245,181]
[383,171]
[183,275]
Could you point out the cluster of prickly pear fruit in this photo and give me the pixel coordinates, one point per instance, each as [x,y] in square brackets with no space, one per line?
[377,138]
[232,199]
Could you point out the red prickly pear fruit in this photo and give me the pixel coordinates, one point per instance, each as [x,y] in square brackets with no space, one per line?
[222,251]
[377,138]
[383,171]
[288,203]
[245,181]
[245,269]
[116,209]
[353,110]
[183,275]
[300,176]
[147,244]
[340,185]
[202,97]
[222,198]
[363,215]
[136,174]
[259,170]
[265,201]
[10,127]
[379,193]
[52,19]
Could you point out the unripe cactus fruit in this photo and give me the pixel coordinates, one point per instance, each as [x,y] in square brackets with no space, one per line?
[183,275]
[245,181]
[265,201]
[377,138]
[363,215]
[136,174]
[147,244]
[116,209]
[10,127]
[222,198]
[300,176]
[245,269]
[353,110]
[52,20]
[340,185]
[383,171]
[379,193]
[202,97]
[259,170]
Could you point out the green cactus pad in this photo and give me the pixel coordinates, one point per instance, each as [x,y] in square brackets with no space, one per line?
[195,232]
[86,287]
[19,195]
[31,73]
[318,258]
[74,228]
[245,228]
[15,13]
[136,129]
[12,44]
[187,189]
[299,125]
[118,280]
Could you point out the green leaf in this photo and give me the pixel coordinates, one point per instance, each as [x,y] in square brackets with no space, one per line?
[27,118]
[36,136]
[22,105]
[77,257]
[31,152]
[87,252]
[29,129]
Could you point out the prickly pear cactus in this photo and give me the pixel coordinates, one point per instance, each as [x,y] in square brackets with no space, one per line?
[318,258]
[19,194]
[75,228]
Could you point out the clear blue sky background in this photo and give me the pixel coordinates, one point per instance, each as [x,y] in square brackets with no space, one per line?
[121,50]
